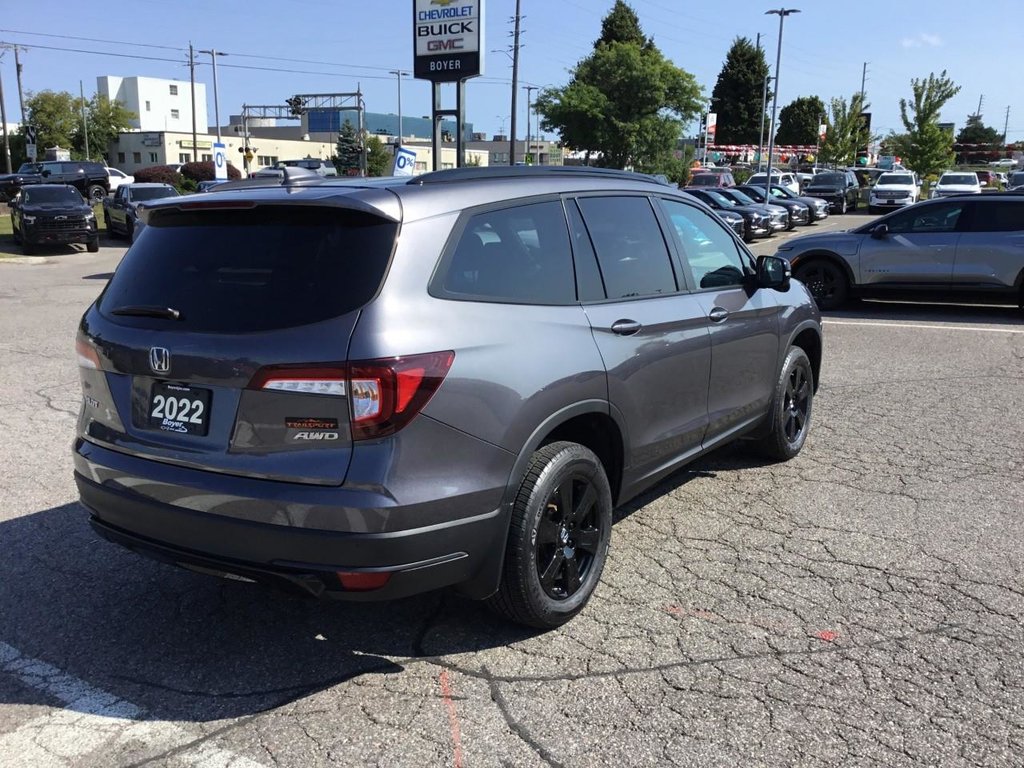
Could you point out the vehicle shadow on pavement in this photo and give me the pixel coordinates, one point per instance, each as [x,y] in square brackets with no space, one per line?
[928,312]
[185,647]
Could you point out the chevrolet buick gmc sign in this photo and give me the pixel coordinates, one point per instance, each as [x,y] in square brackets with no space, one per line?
[448,37]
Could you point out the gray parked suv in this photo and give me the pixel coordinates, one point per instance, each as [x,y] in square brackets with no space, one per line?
[371,389]
[968,248]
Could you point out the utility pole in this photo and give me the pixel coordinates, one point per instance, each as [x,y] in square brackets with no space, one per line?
[764,106]
[214,53]
[981,100]
[759,41]
[515,85]
[3,118]
[782,13]
[863,80]
[399,74]
[85,123]
[192,79]
[529,93]
[17,71]
[1006,125]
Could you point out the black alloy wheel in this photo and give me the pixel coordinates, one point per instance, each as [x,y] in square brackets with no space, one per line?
[826,282]
[796,408]
[558,537]
[789,419]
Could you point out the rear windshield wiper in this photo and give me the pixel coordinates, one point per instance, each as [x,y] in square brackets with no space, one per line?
[147,310]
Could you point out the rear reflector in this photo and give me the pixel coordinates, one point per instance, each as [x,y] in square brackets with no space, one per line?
[361,581]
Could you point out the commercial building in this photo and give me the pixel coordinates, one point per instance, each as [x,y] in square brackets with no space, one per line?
[160,105]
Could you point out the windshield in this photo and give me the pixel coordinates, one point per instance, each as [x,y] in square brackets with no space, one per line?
[958,178]
[745,199]
[719,198]
[30,168]
[1016,179]
[50,195]
[705,180]
[895,178]
[153,193]
[828,180]
[757,194]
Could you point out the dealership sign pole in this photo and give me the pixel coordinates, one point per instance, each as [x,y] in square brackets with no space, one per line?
[448,39]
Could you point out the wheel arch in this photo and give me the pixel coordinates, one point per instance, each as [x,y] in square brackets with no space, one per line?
[830,256]
[807,336]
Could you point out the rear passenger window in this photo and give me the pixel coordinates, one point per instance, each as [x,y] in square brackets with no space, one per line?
[710,252]
[519,255]
[630,247]
[1001,216]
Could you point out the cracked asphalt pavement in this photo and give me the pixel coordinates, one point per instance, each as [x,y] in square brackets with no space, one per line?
[860,605]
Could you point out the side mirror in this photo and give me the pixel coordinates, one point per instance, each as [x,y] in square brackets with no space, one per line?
[773,272]
[880,231]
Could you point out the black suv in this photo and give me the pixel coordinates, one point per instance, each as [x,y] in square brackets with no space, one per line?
[840,189]
[368,389]
[90,179]
[52,214]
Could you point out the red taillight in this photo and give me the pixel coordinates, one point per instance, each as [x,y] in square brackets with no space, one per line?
[362,581]
[384,395]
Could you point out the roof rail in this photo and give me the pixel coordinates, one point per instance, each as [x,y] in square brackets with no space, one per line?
[474,173]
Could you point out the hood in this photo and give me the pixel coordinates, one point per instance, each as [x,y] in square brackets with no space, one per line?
[69,209]
[957,187]
[894,187]
[824,188]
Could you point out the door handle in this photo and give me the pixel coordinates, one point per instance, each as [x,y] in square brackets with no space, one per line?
[626,327]
[718,314]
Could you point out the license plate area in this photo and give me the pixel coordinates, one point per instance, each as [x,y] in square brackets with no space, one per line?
[178,409]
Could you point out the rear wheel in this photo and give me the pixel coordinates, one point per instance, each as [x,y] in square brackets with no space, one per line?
[558,537]
[826,282]
[790,415]
[93,246]
[96,193]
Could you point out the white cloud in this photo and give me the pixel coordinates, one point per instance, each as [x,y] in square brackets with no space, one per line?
[921,40]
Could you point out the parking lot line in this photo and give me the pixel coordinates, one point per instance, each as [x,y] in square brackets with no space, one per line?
[93,721]
[926,326]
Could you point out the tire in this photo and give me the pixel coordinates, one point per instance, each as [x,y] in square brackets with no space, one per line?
[106,223]
[826,282]
[27,248]
[842,207]
[856,203]
[16,234]
[791,409]
[129,230]
[96,193]
[93,246]
[549,572]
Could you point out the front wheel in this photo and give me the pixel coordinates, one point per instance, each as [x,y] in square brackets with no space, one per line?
[790,414]
[842,206]
[93,246]
[558,538]
[826,282]
[96,193]
[129,230]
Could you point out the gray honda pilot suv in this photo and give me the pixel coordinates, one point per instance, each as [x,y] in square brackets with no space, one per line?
[368,389]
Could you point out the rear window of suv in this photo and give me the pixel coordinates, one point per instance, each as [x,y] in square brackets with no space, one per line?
[259,269]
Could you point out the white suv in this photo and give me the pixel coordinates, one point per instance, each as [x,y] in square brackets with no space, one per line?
[957,183]
[893,190]
[784,179]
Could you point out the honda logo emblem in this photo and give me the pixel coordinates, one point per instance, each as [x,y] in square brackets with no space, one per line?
[160,359]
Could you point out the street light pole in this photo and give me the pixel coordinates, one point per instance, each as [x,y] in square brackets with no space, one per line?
[529,93]
[214,53]
[782,13]
[398,73]
[764,106]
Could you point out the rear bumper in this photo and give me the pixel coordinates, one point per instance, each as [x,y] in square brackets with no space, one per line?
[418,560]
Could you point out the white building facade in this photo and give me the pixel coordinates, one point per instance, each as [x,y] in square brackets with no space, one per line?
[161,105]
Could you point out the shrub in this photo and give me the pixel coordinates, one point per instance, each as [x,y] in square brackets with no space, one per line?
[203,171]
[159,174]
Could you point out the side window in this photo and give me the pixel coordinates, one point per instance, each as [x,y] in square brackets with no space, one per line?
[708,250]
[998,216]
[517,255]
[941,217]
[589,286]
[631,249]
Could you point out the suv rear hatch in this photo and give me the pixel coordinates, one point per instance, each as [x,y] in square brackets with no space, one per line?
[221,341]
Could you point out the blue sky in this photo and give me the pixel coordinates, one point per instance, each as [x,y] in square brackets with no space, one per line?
[356,43]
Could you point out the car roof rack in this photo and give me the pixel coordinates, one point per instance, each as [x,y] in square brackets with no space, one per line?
[477,173]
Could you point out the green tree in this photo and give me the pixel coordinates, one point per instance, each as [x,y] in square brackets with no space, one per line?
[924,146]
[976,132]
[57,116]
[846,131]
[625,101]
[348,151]
[738,93]
[105,120]
[378,159]
[799,121]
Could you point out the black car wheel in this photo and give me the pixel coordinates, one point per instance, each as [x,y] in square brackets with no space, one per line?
[27,248]
[129,229]
[96,194]
[790,415]
[93,246]
[826,282]
[106,223]
[558,537]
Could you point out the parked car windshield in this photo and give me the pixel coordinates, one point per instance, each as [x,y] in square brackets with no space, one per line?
[958,178]
[153,193]
[705,180]
[828,180]
[719,198]
[1016,179]
[51,195]
[895,178]
[30,168]
[743,198]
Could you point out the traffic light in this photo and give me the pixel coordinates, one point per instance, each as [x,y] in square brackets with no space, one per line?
[296,105]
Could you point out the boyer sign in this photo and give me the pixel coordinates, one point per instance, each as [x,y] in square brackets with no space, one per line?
[448,38]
